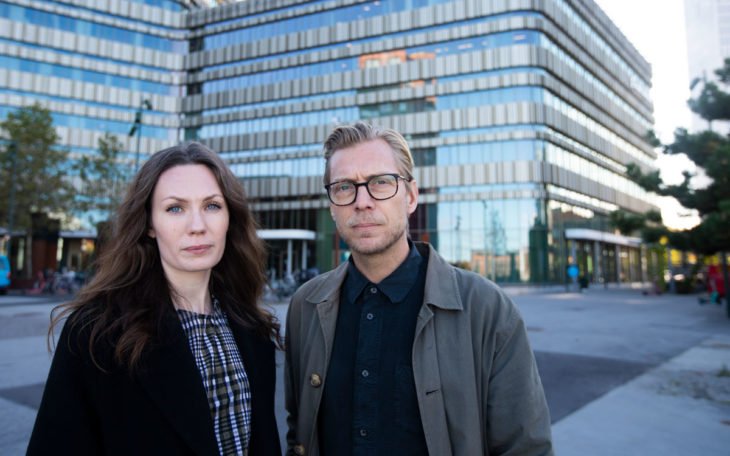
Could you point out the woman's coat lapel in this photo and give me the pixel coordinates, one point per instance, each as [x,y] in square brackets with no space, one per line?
[171,378]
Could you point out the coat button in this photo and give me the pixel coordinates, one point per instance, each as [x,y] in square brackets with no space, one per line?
[299,450]
[316,381]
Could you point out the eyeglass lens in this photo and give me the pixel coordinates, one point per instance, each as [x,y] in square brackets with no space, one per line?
[379,187]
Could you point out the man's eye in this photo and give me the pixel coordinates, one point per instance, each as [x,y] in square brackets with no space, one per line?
[343,187]
[382,180]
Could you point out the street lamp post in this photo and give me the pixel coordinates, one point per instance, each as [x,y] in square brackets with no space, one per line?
[137,128]
[490,235]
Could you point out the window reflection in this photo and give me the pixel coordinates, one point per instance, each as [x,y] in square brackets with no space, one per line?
[91,29]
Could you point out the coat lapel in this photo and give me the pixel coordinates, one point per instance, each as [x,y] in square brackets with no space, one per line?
[169,374]
[258,359]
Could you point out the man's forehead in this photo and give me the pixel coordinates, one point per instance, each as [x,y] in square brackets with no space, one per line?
[374,151]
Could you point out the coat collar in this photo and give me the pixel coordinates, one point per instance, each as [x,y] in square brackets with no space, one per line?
[441,289]
[328,288]
[169,375]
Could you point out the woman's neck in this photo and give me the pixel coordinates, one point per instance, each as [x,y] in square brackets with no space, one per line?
[192,293]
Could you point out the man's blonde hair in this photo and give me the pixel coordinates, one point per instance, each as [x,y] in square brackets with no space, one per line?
[345,136]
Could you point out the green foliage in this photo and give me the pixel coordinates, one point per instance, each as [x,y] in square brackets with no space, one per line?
[712,103]
[649,225]
[651,182]
[652,139]
[723,74]
[653,234]
[626,222]
[711,152]
[30,157]
[654,216]
[101,176]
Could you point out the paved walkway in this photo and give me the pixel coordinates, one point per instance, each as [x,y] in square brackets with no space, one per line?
[625,374]
[680,407]
[670,363]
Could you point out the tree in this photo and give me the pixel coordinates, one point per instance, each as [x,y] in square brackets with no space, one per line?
[102,177]
[32,169]
[39,172]
[711,152]
[625,222]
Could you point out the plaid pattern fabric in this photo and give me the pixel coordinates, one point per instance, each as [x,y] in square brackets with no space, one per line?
[224,377]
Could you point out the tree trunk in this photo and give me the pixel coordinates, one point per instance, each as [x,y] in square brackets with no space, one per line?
[723,260]
[29,254]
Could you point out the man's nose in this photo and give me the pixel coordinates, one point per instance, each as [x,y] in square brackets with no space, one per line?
[363,199]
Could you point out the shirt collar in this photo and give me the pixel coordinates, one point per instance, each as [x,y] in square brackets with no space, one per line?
[396,286]
[216,316]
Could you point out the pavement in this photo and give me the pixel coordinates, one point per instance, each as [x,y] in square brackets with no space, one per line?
[667,357]
[624,373]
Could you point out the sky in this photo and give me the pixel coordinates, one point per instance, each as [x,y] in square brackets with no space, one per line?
[657,30]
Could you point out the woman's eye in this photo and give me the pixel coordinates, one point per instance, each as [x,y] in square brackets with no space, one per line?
[174,209]
[213,206]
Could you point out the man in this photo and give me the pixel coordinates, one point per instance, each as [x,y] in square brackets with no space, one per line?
[396,352]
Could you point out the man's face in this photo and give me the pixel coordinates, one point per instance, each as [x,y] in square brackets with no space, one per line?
[370,226]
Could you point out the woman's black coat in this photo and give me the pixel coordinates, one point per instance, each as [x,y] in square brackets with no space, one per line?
[160,409]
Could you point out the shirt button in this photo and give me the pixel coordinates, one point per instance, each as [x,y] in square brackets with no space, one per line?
[363,432]
[315,380]
[370,316]
[365,373]
[299,450]
[373,290]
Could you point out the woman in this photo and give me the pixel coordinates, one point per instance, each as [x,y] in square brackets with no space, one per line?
[166,350]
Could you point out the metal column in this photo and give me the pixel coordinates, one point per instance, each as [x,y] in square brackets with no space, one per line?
[304,256]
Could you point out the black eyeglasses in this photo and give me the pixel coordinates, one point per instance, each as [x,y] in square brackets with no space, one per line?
[382,187]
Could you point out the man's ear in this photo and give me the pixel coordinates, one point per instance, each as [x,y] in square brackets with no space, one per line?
[412,196]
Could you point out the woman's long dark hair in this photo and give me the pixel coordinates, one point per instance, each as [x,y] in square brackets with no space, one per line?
[129,295]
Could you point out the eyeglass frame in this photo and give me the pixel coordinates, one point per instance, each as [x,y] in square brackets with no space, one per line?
[365,184]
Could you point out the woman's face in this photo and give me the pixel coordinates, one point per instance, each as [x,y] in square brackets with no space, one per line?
[189,221]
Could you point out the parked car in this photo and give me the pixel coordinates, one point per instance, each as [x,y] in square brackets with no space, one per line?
[4,274]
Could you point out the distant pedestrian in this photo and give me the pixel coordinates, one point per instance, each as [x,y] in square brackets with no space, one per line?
[396,352]
[166,350]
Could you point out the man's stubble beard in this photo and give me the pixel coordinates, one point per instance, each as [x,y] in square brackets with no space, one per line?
[392,238]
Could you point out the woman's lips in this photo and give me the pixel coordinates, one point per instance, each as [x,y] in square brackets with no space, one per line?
[198,249]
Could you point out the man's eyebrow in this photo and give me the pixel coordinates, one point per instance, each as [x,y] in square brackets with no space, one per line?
[367,178]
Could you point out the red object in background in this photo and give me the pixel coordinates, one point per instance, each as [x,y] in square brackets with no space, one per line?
[715,281]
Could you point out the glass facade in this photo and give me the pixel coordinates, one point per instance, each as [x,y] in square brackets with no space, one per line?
[328,18]
[89,28]
[521,120]
[519,132]
[92,69]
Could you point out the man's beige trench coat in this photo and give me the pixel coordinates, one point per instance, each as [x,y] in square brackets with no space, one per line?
[476,379]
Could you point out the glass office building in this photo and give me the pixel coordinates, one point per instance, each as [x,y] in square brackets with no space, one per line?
[521,116]
[93,64]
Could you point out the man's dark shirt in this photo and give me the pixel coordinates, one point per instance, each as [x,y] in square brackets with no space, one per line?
[369,403]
